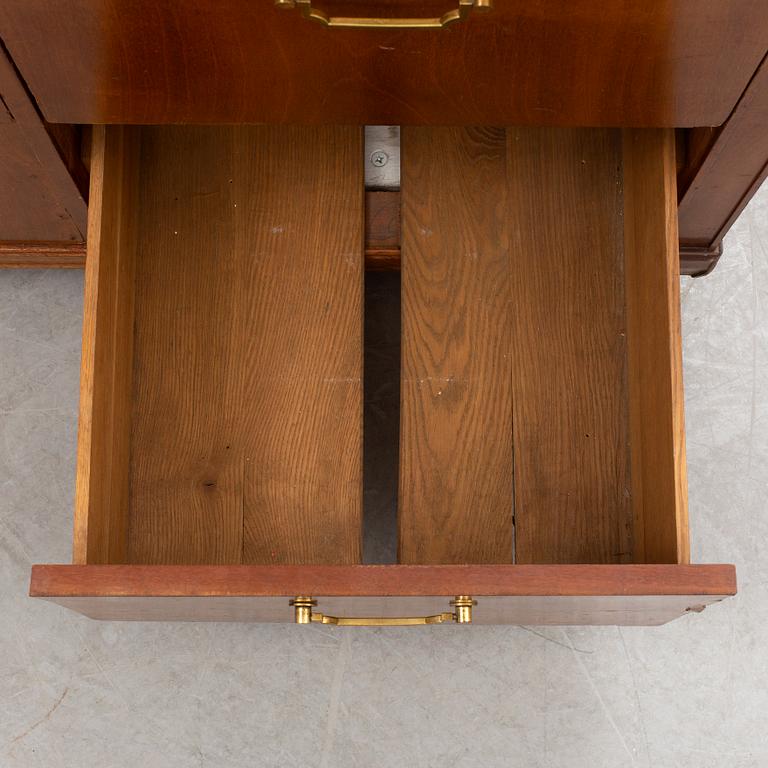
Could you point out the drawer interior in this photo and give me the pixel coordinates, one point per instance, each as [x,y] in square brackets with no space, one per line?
[521,377]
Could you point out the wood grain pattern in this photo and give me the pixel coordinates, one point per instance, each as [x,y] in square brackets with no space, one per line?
[512,594]
[382,233]
[572,475]
[247,407]
[532,62]
[39,200]
[103,443]
[186,462]
[455,498]
[659,487]
[303,371]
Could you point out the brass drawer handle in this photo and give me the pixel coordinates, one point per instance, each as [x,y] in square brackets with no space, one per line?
[304,614]
[435,22]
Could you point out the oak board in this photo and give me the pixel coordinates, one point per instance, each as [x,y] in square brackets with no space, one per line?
[455,500]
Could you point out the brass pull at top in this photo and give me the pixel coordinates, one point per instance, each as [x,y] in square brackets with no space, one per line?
[435,22]
[304,614]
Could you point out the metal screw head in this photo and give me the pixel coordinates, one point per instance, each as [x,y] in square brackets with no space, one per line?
[379,158]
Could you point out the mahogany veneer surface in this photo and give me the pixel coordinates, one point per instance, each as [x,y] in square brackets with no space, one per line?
[593,594]
[533,62]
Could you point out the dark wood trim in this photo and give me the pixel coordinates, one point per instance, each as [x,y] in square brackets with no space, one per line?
[693,145]
[363,580]
[698,261]
[70,141]
[382,259]
[39,199]
[724,168]
[42,255]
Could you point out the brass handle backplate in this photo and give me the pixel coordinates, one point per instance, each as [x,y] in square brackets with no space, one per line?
[304,614]
[434,22]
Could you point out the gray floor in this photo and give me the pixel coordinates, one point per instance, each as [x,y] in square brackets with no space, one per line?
[693,694]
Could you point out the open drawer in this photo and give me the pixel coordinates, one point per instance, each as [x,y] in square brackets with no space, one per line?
[541,457]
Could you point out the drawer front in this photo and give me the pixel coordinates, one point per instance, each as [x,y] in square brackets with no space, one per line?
[558,594]
[549,62]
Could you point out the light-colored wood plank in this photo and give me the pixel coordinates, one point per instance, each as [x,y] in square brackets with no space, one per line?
[511,594]
[247,417]
[186,460]
[300,332]
[659,485]
[101,494]
[572,475]
[455,499]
